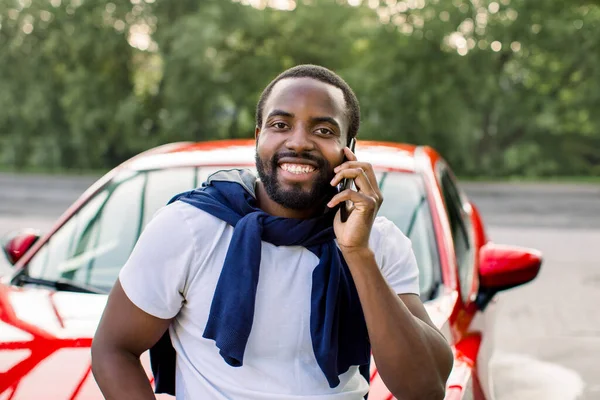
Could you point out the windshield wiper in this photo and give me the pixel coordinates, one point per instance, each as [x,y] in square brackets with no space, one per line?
[60,284]
[413,216]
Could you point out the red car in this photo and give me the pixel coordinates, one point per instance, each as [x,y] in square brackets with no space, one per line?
[51,304]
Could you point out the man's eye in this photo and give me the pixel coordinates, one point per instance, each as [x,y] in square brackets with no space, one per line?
[324,131]
[279,125]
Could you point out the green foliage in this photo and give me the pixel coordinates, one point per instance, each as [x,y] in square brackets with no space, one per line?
[500,88]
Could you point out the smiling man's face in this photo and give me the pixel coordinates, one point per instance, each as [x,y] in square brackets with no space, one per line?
[301,140]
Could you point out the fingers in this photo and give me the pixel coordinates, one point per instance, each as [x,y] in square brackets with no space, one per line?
[359,200]
[366,167]
[358,175]
[349,154]
[363,175]
[354,163]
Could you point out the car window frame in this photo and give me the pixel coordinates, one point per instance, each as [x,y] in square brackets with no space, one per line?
[437,279]
[466,265]
[433,291]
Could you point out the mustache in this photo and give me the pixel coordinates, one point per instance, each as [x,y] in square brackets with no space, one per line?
[321,162]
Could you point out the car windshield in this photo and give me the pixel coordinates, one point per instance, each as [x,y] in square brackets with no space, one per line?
[93,245]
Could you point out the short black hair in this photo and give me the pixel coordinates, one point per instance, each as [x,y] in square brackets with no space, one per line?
[321,74]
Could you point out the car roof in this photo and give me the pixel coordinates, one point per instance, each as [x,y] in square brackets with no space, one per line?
[382,155]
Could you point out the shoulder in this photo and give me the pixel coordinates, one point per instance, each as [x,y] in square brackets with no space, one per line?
[385,234]
[395,257]
[195,220]
[179,224]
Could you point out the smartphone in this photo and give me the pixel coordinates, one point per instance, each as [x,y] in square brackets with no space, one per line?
[346,184]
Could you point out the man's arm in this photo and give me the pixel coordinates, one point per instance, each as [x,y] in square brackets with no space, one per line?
[124,333]
[142,304]
[412,357]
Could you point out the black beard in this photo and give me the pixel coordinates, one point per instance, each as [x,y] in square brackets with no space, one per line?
[297,198]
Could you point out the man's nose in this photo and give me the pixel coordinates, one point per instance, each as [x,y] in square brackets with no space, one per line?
[300,139]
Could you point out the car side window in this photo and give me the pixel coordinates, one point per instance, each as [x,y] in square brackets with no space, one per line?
[461,232]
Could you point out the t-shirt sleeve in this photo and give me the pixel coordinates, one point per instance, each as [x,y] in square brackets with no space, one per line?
[397,259]
[154,277]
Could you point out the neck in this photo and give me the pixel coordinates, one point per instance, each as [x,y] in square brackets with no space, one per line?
[275,209]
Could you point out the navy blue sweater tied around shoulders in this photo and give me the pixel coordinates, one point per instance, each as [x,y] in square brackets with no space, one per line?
[337,325]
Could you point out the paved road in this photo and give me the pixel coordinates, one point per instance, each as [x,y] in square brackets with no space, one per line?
[548,332]
[538,205]
[555,319]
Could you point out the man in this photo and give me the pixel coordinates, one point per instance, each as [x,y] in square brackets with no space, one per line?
[265,292]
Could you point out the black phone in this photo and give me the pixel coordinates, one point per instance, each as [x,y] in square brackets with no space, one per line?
[346,184]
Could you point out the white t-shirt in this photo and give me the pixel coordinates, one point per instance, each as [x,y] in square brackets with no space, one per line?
[173,272]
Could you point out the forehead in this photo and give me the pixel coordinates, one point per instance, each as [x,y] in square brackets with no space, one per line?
[306,95]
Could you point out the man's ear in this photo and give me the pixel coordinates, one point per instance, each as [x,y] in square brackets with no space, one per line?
[256,132]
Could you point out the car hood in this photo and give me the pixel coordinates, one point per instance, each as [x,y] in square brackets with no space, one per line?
[45,339]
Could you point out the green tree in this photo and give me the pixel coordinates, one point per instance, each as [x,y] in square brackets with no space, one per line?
[218,56]
[499,87]
[66,77]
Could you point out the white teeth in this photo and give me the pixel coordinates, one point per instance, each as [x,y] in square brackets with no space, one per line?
[297,169]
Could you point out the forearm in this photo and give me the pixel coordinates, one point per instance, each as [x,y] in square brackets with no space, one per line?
[120,375]
[412,357]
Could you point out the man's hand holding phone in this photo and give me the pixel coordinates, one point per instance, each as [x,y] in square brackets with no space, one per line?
[345,185]
[353,234]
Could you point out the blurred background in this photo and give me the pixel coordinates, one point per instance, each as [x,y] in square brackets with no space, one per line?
[501,88]
[508,91]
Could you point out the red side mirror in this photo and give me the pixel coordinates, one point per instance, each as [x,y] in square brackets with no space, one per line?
[18,244]
[502,267]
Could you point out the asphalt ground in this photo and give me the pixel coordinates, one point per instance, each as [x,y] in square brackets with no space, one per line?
[548,331]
